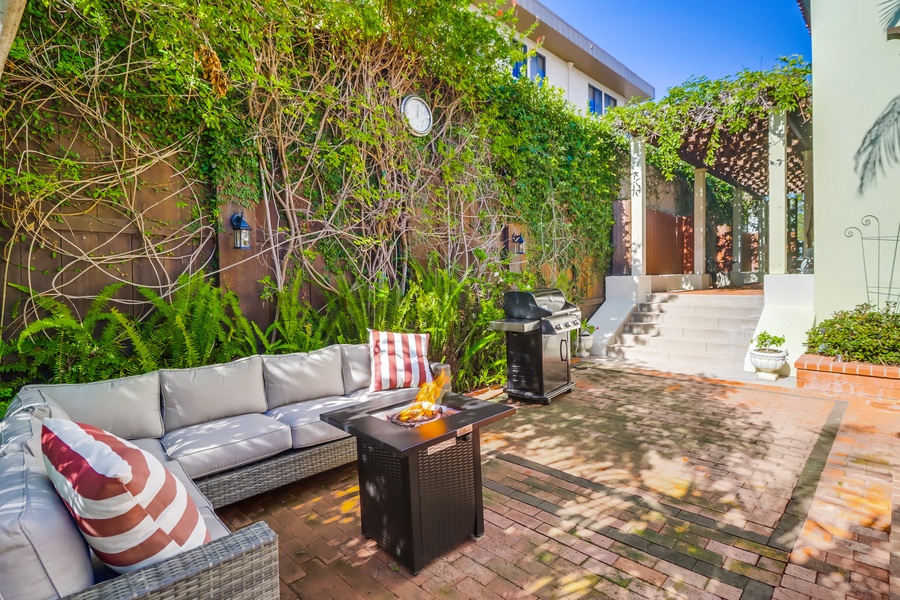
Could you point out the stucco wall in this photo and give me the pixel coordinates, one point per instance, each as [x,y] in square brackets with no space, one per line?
[575,85]
[856,73]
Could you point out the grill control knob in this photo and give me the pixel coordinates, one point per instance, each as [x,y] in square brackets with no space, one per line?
[558,326]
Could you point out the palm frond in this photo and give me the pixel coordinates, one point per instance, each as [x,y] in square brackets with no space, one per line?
[880,148]
[890,13]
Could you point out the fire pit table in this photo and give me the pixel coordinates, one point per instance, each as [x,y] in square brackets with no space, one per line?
[419,486]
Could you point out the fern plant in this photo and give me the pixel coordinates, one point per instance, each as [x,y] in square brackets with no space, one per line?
[64,349]
[199,324]
[436,295]
[298,327]
[354,310]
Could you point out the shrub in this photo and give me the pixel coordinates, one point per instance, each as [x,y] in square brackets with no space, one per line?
[864,334]
[767,341]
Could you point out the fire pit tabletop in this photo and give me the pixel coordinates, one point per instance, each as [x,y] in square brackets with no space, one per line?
[367,422]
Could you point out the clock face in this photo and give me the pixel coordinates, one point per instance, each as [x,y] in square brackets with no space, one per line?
[417,114]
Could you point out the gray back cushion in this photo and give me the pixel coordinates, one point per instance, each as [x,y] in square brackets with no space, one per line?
[299,377]
[43,554]
[203,394]
[127,407]
[357,367]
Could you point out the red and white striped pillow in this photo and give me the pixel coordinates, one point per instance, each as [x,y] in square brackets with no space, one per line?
[131,510]
[399,360]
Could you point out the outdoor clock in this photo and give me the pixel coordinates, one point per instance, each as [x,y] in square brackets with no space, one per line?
[417,114]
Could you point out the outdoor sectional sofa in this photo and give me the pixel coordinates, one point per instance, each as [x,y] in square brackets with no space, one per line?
[227,432]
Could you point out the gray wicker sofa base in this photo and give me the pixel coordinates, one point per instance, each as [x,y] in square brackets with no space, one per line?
[239,484]
[241,566]
[227,432]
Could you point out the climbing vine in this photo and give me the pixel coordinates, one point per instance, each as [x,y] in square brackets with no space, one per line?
[143,119]
[722,106]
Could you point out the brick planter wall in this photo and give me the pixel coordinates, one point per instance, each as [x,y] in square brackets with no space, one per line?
[824,374]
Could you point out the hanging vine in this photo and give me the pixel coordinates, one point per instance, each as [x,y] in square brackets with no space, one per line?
[722,107]
[126,126]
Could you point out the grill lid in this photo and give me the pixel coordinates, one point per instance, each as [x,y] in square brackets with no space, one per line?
[536,304]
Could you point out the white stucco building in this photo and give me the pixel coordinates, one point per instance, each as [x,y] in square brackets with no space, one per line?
[591,78]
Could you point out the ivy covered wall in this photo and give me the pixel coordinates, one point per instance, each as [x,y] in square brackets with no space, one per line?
[131,130]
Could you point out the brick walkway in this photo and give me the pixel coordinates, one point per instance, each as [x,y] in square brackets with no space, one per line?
[634,486]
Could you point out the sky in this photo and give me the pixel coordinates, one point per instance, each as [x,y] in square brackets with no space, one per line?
[666,42]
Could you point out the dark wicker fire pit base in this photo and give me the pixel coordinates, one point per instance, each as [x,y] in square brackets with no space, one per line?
[420,488]
[419,506]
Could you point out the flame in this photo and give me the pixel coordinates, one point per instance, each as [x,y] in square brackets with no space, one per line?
[424,407]
[430,392]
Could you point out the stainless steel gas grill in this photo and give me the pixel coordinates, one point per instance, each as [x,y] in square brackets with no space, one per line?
[537,327]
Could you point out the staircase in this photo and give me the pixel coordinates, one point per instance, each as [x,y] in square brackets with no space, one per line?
[690,332]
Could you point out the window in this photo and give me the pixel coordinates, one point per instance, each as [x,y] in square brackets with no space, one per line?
[599,102]
[609,102]
[595,101]
[537,67]
[521,67]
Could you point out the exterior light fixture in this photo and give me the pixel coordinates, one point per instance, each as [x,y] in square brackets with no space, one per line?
[241,232]
[519,241]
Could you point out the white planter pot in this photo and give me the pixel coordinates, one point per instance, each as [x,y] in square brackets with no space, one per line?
[768,361]
[585,342]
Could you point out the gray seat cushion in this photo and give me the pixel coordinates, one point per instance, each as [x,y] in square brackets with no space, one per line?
[307,429]
[43,554]
[153,447]
[303,376]
[204,394]
[128,407]
[356,367]
[226,443]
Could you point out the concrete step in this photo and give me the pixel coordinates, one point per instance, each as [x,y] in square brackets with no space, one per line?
[644,356]
[727,300]
[740,334]
[683,309]
[686,346]
[695,321]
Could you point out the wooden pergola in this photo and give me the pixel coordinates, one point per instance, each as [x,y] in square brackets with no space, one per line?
[770,159]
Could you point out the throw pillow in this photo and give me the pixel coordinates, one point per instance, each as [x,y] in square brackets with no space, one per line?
[399,360]
[131,510]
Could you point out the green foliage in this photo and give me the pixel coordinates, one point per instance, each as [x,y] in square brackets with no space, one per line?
[766,341]
[71,350]
[298,327]
[449,303]
[199,324]
[863,334]
[562,171]
[296,102]
[354,309]
[724,106]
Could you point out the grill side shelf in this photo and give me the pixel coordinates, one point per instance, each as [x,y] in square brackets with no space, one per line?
[515,325]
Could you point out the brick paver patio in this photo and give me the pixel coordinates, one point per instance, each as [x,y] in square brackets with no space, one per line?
[635,485]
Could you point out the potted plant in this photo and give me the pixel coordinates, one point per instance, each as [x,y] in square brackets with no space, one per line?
[585,340]
[766,356]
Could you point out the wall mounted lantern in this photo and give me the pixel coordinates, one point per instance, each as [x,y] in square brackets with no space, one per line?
[241,231]
[519,241]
